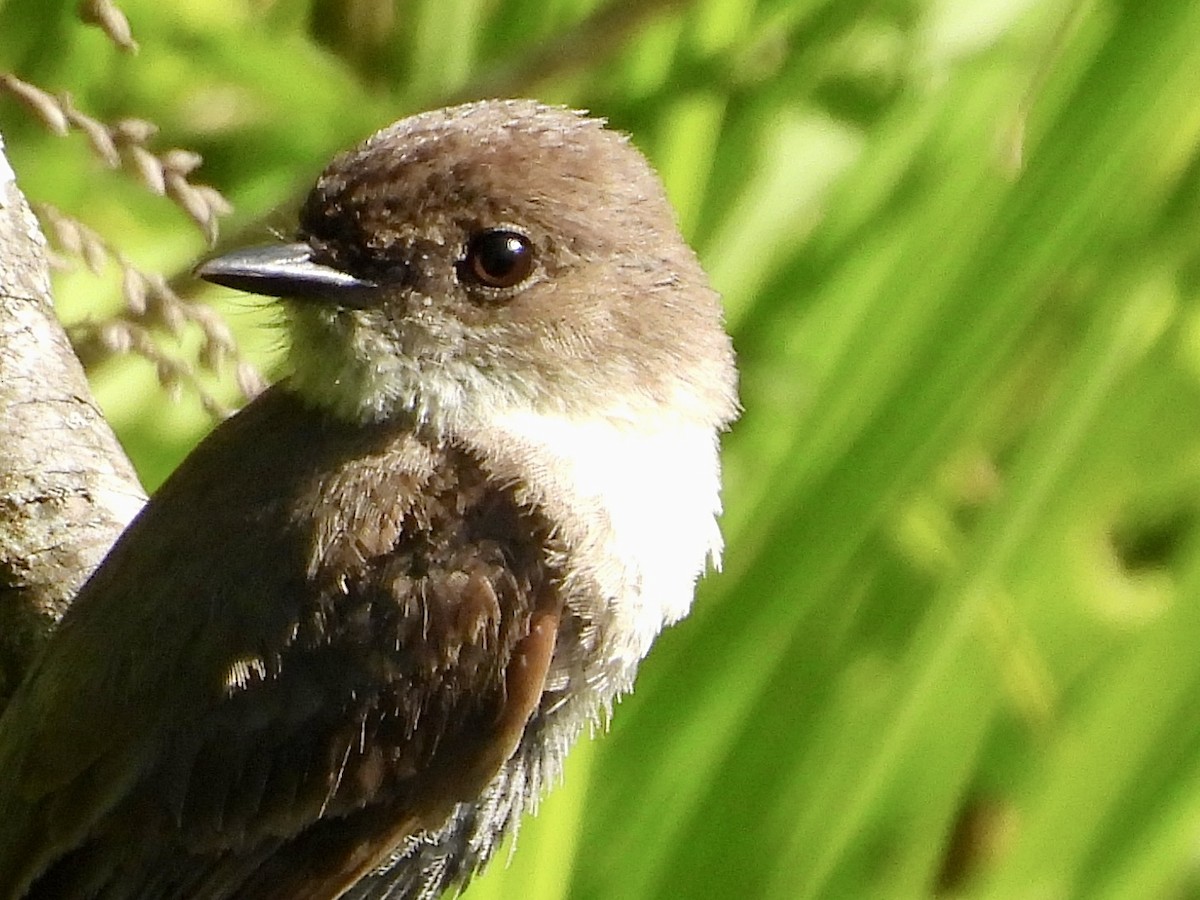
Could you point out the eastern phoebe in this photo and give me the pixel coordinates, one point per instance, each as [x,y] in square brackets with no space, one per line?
[354,635]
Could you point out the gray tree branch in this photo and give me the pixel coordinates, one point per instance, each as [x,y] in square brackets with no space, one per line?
[66,487]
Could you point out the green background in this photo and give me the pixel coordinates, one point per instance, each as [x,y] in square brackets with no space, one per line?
[956,647]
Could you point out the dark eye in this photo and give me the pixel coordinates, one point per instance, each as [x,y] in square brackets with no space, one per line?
[499,258]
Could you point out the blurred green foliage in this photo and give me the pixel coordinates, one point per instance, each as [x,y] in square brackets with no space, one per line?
[956,646]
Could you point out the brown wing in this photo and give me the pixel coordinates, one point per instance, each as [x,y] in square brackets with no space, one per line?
[330,857]
[266,708]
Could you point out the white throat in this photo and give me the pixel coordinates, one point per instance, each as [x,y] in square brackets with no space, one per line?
[637,499]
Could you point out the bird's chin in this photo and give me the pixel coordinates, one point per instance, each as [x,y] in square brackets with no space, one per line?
[348,367]
[336,363]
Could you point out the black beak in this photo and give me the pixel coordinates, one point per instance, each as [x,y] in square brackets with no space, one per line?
[285,270]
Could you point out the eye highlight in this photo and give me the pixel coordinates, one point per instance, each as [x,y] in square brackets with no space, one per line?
[498,258]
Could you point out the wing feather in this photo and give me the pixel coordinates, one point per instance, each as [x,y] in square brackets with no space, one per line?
[269,708]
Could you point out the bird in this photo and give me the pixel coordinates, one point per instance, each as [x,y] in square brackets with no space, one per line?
[352,637]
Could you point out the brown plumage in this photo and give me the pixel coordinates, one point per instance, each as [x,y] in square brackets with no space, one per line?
[353,636]
[366,655]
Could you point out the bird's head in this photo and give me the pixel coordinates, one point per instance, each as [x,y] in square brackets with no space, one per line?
[502,255]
